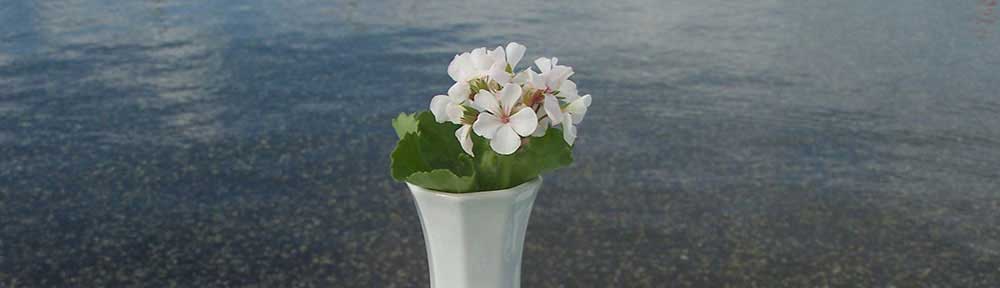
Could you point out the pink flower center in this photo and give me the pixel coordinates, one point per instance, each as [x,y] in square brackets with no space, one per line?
[504,119]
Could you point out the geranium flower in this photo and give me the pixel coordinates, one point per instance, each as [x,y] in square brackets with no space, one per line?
[573,114]
[464,69]
[481,63]
[465,138]
[505,123]
[449,107]
[552,74]
[514,53]
[570,95]
[502,116]
[568,114]
[504,59]
[543,125]
[506,106]
[551,80]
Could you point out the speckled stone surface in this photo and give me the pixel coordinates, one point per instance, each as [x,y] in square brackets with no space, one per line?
[753,144]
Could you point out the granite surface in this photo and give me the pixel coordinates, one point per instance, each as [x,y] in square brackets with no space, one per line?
[173,143]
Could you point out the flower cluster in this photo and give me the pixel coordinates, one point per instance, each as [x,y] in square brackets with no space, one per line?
[491,100]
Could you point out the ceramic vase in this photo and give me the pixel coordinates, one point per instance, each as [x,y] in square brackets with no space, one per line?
[474,240]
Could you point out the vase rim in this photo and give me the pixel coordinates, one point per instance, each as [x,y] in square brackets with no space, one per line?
[478,194]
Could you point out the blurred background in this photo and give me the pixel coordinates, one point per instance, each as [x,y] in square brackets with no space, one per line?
[765,143]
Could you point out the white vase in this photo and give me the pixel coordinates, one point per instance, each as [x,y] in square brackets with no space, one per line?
[474,240]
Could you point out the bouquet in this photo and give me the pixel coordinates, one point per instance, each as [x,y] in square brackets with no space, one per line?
[495,129]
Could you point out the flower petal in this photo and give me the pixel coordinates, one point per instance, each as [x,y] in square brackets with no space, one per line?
[486,125]
[543,125]
[569,131]
[487,101]
[557,76]
[455,113]
[509,96]
[459,92]
[458,67]
[465,139]
[536,80]
[439,105]
[506,141]
[578,108]
[521,78]
[568,90]
[498,55]
[453,69]
[544,64]
[515,52]
[524,122]
[481,60]
[551,106]
[498,72]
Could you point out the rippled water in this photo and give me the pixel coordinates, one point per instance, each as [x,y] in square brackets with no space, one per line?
[758,143]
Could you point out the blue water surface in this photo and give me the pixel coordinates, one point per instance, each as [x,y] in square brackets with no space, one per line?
[765,143]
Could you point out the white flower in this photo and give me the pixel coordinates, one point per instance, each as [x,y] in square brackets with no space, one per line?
[465,138]
[568,90]
[464,67]
[505,116]
[552,108]
[552,75]
[482,63]
[567,115]
[575,104]
[515,52]
[552,79]
[503,59]
[449,108]
[503,124]
[543,126]
[572,115]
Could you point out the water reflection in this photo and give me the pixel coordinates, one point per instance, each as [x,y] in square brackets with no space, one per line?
[799,143]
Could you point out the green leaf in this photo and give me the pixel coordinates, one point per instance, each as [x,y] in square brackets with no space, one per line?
[438,145]
[443,180]
[541,154]
[405,124]
[428,155]
[538,155]
[406,158]
[447,181]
